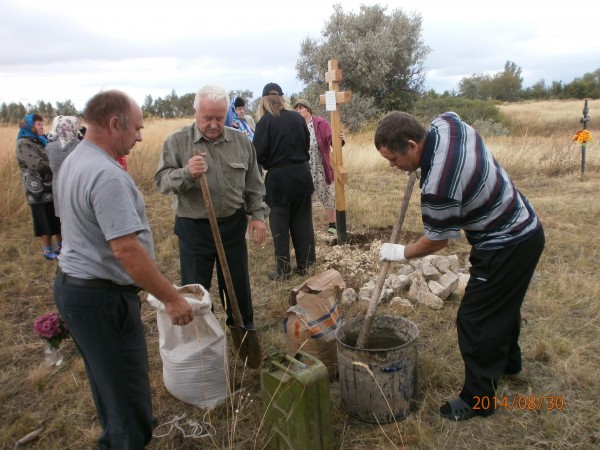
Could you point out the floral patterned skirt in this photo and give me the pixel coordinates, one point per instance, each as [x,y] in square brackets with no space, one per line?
[324,192]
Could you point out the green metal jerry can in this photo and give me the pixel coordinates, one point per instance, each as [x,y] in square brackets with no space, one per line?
[295,395]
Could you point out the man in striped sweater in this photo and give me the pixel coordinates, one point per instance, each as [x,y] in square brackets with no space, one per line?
[464,188]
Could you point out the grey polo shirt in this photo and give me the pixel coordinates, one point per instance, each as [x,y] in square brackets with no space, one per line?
[98,202]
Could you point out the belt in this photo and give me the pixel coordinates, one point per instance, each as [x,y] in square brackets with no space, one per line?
[228,218]
[287,165]
[97,283]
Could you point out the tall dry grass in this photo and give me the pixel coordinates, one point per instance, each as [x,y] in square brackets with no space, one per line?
[549,118]
[560,338]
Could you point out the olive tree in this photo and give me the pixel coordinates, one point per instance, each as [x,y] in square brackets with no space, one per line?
[381,55]
[506,85]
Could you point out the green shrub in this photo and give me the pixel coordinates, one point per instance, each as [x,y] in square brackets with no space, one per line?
[483,115]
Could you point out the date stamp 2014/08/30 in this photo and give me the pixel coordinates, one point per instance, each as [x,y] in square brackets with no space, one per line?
[520,402]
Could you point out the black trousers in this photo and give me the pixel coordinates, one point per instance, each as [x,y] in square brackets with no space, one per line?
[107,328]
[489,318]
[45,222]
[293,219]
[198,255]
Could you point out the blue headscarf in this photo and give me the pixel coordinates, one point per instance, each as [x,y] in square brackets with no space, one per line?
[27,129]
[242,125]
[230,115]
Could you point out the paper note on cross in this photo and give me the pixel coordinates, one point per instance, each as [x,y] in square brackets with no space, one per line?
[331,99]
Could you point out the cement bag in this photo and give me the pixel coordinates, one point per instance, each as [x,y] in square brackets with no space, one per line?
[311,321]
[193,356]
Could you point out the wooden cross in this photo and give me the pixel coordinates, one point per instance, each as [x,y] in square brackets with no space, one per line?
[334,76]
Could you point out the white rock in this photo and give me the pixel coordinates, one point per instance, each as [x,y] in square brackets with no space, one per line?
[405,269]
[441,263]
[439,290]
[417,286]
[400,283]
[365,293]
[386,294]
[453,262]
[402,306]
[459,290]
[390,279]
[349,295]
[429,271]
[449,280]
[416,264]
[431,258]
[430,300]
[416,277]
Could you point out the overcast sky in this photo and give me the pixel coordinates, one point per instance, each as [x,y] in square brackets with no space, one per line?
[65,49]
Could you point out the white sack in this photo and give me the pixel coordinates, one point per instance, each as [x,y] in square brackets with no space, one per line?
[194,355]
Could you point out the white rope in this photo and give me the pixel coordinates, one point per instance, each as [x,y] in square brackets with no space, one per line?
[188,428]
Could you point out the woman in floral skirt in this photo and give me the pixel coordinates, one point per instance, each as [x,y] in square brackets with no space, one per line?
[320,167]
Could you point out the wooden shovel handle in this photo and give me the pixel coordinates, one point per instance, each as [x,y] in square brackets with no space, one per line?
[235,309]
[366,327]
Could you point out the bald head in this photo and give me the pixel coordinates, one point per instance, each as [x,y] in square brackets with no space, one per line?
[115,122]
[107,104]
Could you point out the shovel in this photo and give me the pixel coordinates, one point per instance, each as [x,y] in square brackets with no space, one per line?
[363,336]
[245,341]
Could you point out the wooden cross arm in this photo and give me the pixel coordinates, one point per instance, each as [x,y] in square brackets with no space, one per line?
[340,97]
[334,75]
[340,172]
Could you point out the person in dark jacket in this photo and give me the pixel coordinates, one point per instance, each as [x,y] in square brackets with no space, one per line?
[282,142]
[37,181]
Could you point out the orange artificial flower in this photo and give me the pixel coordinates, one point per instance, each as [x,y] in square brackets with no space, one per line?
[582,136]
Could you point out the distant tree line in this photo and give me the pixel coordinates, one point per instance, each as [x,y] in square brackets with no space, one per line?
[504,86]
[508,86]
[382,57]
[12,113]
[173,106]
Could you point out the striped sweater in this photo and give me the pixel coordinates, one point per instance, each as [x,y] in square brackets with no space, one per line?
[464,187]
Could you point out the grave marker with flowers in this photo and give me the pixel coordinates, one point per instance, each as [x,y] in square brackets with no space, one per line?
[583,135]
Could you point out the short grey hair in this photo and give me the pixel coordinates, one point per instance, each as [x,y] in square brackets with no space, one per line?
[212,92]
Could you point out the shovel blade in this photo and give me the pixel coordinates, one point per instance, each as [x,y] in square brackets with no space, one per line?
[247,346]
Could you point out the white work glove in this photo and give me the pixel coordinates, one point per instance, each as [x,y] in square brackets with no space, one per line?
[392,252]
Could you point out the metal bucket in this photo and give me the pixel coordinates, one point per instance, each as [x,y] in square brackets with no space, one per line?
[378,384]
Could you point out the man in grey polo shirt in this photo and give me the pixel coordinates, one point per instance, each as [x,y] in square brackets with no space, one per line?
[228,160]
[107,257]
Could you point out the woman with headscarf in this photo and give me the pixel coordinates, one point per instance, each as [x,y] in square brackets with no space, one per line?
[282,144]
[52,135]
[240,120]
[37,179]
[65,130]
[320,167]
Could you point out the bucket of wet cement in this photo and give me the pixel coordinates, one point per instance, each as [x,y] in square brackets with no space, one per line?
[378,383]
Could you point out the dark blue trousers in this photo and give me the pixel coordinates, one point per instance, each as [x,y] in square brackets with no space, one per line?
[198,255]
[489,318]
[107,328]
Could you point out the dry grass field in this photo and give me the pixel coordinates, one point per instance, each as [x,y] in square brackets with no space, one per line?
[560,337]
